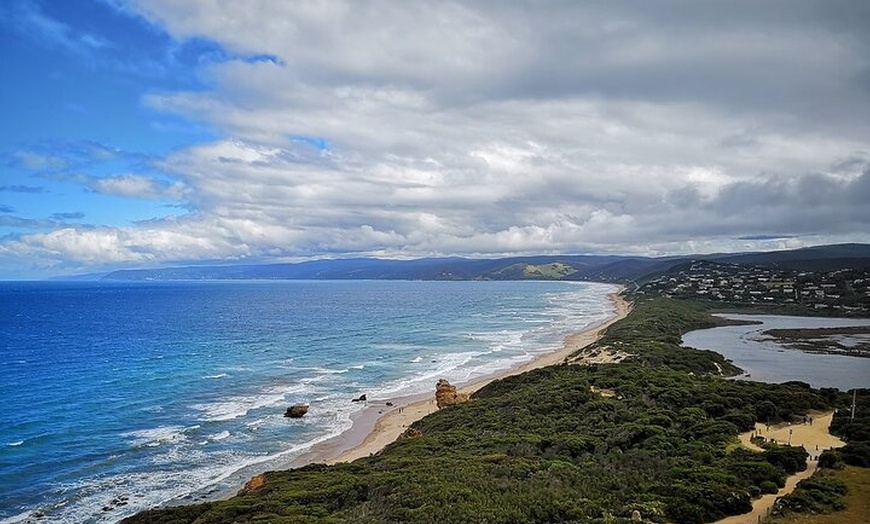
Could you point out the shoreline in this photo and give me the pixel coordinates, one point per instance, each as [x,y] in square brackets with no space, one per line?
[374,429]
[378,425]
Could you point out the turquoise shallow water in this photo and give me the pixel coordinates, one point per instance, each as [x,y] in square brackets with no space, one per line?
[121,396]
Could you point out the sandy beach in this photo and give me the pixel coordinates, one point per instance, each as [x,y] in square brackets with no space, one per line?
[379,424]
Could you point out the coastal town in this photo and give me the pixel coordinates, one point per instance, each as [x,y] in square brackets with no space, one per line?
[844,292]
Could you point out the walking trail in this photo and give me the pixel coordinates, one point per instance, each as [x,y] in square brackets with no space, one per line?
[814,438]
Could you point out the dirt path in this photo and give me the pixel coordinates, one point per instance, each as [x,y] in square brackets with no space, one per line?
[813,437]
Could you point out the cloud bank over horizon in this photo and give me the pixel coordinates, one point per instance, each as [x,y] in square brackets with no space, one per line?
[409,129]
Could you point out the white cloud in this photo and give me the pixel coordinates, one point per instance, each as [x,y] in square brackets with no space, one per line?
[30,19]
[36,162]
[456,128]
[130,185]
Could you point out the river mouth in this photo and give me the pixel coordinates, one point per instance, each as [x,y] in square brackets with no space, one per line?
[772,349]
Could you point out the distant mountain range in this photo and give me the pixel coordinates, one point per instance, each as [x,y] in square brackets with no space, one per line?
[606,268]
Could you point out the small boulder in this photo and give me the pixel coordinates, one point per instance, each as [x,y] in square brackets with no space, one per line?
[296,411]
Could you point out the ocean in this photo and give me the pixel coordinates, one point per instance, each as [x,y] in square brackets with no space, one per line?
[117,397]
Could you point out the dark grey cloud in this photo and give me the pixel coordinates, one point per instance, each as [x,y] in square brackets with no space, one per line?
[778,206]
[765,237]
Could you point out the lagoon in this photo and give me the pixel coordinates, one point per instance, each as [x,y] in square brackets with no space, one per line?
[766,361]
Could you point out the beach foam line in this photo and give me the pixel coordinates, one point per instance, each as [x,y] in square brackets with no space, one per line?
[378,429]
[234,407]
[156,436]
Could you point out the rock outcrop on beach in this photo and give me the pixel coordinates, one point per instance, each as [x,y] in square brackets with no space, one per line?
[411,433]
[446,394]
[255,483]
[296,411]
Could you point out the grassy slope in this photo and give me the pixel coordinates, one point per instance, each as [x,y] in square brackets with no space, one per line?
[541,447]
[856,501]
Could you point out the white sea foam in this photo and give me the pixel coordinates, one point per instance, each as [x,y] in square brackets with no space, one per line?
[177,467]
[219,375]
[17,519]
[235,407]
[156,436]
[423,381]
[391,346]
[15,444]
[497,341]
[327,371]
[220,436]
[238,406]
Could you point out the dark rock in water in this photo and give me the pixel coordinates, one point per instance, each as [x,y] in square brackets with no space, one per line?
[389,403]
[361,398]
[296,411]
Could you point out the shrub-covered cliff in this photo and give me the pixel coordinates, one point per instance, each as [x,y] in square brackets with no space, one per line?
[547,446]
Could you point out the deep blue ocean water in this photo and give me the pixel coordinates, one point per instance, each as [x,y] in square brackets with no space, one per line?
[124,396]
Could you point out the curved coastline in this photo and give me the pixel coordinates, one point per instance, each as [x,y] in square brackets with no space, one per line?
[663,381]
[379,425]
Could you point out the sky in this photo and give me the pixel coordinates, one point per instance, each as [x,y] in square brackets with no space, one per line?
[148,133]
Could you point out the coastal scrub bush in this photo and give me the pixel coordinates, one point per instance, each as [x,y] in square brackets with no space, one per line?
[821,493]
[545,447]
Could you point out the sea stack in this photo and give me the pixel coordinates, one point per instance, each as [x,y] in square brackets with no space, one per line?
[446,394]
[296,411]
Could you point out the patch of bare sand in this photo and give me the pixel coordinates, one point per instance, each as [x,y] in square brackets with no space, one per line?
[814,438]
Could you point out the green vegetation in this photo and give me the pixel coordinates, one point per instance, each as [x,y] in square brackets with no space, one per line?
[654,330]
[832,496]
[855,431]
[821,493]
[542,447]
